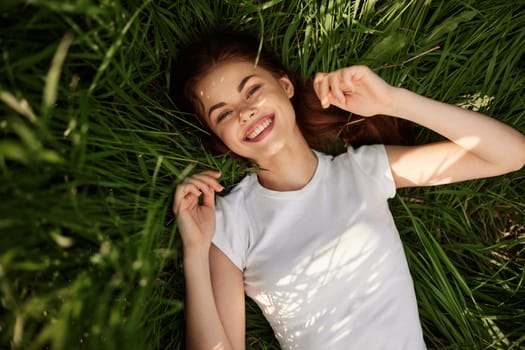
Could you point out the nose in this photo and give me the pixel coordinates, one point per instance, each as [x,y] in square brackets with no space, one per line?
[247,113]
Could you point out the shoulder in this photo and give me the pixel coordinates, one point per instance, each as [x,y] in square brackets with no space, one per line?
[370,166]
[232,229]
[366,158]
[237,196]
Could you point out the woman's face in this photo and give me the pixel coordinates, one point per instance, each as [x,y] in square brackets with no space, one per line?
[248,108]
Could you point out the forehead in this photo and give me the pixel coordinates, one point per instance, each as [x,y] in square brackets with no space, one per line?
[224,79]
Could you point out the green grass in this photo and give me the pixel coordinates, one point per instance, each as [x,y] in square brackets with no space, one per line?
[91,149]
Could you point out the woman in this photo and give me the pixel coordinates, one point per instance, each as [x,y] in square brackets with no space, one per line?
[308,236]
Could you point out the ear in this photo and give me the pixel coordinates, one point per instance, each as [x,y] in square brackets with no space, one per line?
[287,85]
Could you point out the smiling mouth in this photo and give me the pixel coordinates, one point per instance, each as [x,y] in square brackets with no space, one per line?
[259,129]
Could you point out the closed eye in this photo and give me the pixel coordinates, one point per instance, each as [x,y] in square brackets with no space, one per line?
[253,90]
[223,115]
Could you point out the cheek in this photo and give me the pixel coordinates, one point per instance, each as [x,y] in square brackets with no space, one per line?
[288,108]
[227,134]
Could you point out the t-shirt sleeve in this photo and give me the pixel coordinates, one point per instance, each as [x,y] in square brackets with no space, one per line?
[373,161]
[231,230]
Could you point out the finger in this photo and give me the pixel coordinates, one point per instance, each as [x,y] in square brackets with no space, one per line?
[324,89]
[359,72]
[335,87]
[201,185]
[192,187]
[189,198]
[185,193]
[210,173]
[209,180]
[213,173]
[317,82]
[208,199]
[347,78]
[184,189]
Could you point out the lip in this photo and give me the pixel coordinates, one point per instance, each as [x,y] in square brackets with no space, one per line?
[256,124]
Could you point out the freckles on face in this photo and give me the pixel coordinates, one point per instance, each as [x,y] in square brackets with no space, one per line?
[226,85]
[238,99]
[230,81]
[204,94]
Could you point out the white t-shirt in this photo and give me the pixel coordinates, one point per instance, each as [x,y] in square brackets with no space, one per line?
[325,263]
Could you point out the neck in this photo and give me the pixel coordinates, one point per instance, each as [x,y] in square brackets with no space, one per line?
[289,170]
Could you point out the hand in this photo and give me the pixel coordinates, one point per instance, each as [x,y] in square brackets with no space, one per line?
[196,222]
[355,89]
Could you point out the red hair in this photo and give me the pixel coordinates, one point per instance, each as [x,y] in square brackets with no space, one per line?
[320,127]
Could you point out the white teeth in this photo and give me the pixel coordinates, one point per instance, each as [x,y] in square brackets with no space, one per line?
[259,129]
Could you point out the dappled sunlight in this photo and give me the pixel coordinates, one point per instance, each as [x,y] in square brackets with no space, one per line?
[95,139]
[219,346]
[447,162]
[441,163]
[299,301]
[475,101]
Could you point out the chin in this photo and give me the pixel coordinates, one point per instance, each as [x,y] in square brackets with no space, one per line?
[270,152]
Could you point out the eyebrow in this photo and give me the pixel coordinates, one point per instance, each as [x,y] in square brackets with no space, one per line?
[239,89]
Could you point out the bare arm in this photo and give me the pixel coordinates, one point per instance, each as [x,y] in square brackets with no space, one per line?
[214,302]
[214,295]
[478,146]
[228,289]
